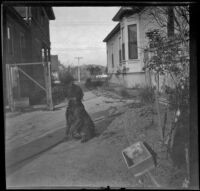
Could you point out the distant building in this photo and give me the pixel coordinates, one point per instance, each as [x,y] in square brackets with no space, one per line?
[25,40]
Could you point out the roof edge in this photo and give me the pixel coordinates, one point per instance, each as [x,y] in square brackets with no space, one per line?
[113,31]
[127,10]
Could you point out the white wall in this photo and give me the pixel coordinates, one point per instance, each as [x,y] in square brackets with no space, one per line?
[129,80]
[113,46]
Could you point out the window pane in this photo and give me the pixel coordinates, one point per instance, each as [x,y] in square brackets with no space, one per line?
[120,57]
[123,51]
[8,32]
[133,54]
[132,39]
[10,40]
[112,60]
[122,35]
[22,40]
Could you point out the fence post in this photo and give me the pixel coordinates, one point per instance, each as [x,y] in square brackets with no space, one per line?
[9,87]
[48,85]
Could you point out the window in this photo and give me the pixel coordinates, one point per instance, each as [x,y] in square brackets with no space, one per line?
[123,51]
[10,40]
[120,51]
[132,41]
[37,13]
[42,17]
[22,44]
[8,32]
[43,54]
[22,41]
[123,45]
[112,58]
[26,16]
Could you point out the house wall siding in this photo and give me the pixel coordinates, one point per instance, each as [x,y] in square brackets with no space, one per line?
[36,37]
[113,47]
[135,74]
[129,80]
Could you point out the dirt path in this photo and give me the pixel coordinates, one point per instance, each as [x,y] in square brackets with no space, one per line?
[22,128]
[99,162]
[96,163]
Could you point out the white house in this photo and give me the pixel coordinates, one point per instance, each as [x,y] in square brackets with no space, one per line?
[126,44]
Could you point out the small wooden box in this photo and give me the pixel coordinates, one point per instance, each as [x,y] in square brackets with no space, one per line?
[139,157]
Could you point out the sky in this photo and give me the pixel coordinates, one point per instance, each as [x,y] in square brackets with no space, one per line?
[79,32]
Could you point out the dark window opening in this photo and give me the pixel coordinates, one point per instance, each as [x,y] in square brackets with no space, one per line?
[120,51]
[112,60]
[42,17]
[22,44]
[123,51]
[22,41]
[10,40]
[132,41]
[120,56]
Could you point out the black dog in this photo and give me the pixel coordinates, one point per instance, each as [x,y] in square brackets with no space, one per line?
[79,123]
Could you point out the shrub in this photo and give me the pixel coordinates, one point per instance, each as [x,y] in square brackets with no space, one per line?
[147,95]
[88,83]
[97,83]
[66,77]
[93,84]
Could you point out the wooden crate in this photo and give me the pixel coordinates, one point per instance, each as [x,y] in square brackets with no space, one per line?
[139,157]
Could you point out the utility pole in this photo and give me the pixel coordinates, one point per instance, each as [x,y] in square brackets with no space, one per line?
[78,58]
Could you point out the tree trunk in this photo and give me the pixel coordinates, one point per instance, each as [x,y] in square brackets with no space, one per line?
[193,149]
[170,23]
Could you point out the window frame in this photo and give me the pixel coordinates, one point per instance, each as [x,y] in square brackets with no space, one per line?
[42,18]
[112,56]
[120,51]
[123,44]
[132,43]
[22,43]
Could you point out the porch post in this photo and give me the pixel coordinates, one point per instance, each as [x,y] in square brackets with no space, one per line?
[9,87]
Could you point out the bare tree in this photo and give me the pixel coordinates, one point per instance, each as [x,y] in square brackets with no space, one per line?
[174,19]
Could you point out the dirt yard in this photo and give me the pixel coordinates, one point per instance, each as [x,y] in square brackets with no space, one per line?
[23,127]
[98,162]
